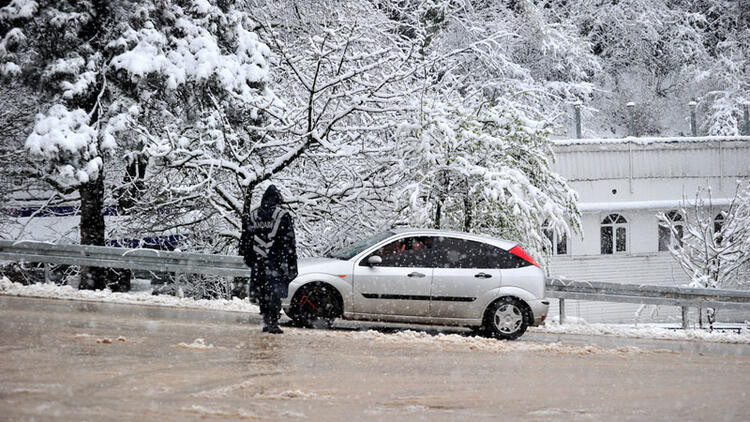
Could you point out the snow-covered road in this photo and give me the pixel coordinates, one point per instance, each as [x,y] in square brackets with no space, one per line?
[69,360]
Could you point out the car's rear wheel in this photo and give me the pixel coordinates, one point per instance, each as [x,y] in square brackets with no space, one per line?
[315,305]
[507,319]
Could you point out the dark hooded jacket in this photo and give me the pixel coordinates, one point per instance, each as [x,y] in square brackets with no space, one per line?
[268,244]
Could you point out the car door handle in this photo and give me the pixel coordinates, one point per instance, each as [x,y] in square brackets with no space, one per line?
[483,275]
[415,274]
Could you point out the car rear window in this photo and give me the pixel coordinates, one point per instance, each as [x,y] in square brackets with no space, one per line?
[451,252]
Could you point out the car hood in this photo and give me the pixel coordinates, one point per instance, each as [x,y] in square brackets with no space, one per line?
[323,265]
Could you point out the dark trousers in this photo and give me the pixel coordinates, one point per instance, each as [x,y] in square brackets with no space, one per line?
[269,301]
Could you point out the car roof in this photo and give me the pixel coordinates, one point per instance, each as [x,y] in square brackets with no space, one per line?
[505,244]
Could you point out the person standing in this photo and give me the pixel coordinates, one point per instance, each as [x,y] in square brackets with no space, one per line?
[268,246]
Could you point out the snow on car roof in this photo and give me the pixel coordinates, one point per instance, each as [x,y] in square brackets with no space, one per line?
[505,244]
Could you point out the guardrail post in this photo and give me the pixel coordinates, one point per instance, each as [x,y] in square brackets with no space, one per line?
[47,271]
[562,311]
[684,317]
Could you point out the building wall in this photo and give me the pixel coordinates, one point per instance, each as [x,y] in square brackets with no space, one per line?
[637,178]
[642,232]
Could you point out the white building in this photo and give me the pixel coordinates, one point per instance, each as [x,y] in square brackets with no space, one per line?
[622,185]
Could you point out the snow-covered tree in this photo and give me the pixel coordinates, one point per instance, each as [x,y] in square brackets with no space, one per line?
[515,54]
[486,170]
[725,83]
[55,48]
[712,243]
[339,85]
[115,73]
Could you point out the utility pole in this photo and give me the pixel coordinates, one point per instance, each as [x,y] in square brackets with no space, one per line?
[693,120]
[577,114]
[631,113]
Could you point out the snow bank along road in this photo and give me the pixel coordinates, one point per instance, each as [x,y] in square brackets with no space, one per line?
[72,360]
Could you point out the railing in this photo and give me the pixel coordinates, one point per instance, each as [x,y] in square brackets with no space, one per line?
[134,259]
[233,266]
[684,297]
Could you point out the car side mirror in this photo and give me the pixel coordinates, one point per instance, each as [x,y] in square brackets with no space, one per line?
[374,260]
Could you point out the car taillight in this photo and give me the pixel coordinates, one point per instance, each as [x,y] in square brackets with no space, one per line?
[517,251]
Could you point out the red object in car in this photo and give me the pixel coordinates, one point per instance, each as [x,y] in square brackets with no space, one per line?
[517,251]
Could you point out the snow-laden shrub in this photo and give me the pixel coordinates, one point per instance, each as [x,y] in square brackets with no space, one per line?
[712,243]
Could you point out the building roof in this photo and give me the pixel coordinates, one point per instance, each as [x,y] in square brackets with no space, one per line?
[649,140]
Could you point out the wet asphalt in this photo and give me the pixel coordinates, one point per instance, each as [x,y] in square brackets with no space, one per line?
[73,360]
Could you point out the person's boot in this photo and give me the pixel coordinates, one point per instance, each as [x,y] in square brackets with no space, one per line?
[273,326]
[274,329]
[266,322]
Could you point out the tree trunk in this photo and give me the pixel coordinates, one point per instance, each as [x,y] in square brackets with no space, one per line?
[133,182]
[92,229]
[467,213]
[438,212]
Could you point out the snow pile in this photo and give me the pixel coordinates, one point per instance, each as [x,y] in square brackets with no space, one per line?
[224,391]
[245,386]
[209,413]
[459,342]
[287,395]
[7,287]
[644,332]
[197,344]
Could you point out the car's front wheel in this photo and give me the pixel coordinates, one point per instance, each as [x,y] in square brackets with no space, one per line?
[315,305]
[507,319]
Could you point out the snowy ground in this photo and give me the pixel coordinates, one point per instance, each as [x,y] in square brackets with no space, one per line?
[82,360]
[141,297]
[144,297]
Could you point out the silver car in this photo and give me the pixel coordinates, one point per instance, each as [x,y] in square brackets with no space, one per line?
[420,276]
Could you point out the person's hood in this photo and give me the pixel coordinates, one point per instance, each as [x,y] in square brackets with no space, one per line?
[271,199]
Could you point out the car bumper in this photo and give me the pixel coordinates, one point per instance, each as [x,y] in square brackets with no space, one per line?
[539,309]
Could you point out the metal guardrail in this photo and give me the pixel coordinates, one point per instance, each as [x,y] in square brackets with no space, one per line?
[684,297]
[233,266]
[134,259]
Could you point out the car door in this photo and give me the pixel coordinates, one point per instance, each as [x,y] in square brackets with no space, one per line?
[464,271]
[400,284]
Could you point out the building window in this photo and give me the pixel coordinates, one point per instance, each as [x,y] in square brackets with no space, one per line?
[666,238]
[559,242]
[614,234]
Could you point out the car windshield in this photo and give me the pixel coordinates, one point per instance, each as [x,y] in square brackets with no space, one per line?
[357,247]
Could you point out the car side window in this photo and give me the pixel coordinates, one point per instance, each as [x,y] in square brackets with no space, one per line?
[458,253]
[461,253]
[406,252]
